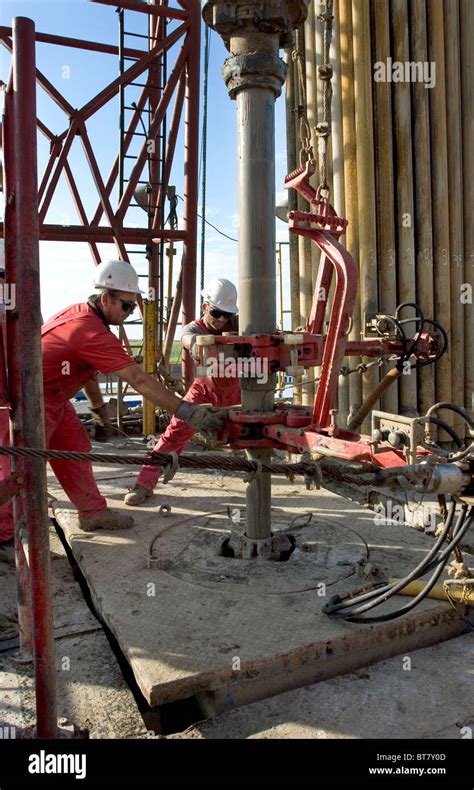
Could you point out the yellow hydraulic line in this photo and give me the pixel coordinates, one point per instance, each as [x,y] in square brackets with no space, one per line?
[463,594]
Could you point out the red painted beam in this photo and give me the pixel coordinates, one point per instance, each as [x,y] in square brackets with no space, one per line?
[47,86]
[191,187]
[143,8]
[79,43]
[31,380]
[130,74]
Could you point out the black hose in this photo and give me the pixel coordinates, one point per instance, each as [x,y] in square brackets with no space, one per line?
[451,407]
[439,563]
[442,424]
[439,567]
[414,574]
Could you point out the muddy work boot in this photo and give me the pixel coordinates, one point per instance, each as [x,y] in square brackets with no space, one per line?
[7,551]
[137,495]
[8,627]
[108,519]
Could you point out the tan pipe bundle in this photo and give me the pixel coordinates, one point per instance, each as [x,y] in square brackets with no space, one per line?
[402,156]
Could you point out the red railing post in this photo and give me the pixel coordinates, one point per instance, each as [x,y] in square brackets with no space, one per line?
[12,345]
[191,147]
[31,381]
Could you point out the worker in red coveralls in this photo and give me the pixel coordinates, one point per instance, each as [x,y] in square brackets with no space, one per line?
[77,343]
[219,315]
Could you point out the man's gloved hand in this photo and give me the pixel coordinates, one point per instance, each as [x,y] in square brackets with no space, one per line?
[102,429]
[200,416]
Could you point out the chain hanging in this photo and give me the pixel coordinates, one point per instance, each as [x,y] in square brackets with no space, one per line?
[306,150]
[325,73]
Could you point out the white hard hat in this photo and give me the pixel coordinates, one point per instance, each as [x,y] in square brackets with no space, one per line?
[221,293]
[116,276]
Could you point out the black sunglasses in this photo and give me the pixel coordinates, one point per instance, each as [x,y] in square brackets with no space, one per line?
[128,307]
[219,313]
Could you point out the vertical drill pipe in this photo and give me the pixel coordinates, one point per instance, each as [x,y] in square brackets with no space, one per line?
[455,187]
[292,164]
[311,260]
[301,241]
[257,277]
[25,614]
[365,173]
[350,176]
[29,319]
[423,206]
[191,176]
[440,196]
[384,175]
[404,227]
[467,85]
[338,179]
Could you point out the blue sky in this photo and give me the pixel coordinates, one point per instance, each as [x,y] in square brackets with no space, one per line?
[67,269]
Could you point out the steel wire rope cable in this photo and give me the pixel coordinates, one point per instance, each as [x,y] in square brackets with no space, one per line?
[187,461]
[380,595]
[211,225]
[306,149]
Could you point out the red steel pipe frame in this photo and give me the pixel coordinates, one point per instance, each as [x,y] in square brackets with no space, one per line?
[12,344]
[22,261]
[191,174]
[186,67]
[31,382]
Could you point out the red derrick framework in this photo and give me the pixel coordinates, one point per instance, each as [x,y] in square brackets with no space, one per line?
[168,28]
[26,209]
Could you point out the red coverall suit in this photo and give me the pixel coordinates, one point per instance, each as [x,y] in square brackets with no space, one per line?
[217,391]
[76,343]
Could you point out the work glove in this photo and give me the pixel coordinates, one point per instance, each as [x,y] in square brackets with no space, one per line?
[102,429]
[200,417]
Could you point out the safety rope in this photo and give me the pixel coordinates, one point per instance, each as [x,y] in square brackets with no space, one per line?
[325,73]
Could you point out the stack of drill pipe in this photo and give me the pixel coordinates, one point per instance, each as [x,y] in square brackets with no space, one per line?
[292,164]
[404,225]
[455,189]
[338,178]
[363,77]
[350,176]
[423,202]
[384,170]
[405,151]
[467,95]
